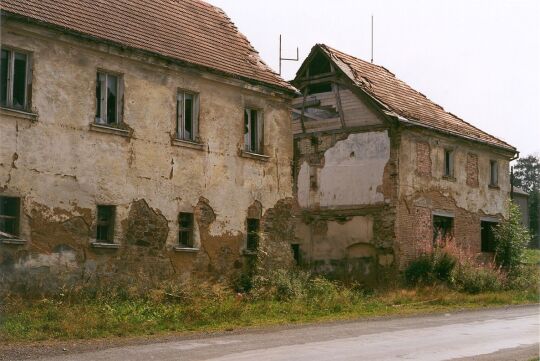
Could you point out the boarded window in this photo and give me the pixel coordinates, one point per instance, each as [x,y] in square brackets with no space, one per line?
[109,95]
[187,114]
[185,230]
[448,163]
[253,131]
[14,79]
[9,217]
[443,228]
[488,236]
[252,234]
[105,223]
[494,173]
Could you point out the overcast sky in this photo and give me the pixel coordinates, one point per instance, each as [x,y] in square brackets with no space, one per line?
[478,59]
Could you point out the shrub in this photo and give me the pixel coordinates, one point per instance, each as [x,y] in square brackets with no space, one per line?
[511,239]
[443,265]
[281,285]
[472,278]
[524,277]
[420,270]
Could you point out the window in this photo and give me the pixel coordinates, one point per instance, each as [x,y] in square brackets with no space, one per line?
[9,217]
[185,230]
[105,224]
[252,234]
[109,99]
[296,252]
[319,88]
[442,229]
[253,131]
[187,114]
[487,236]
[14,79]
[493,173]
[448,163]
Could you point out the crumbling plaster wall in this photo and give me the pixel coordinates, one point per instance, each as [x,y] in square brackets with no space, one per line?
[62,169]
[424,190]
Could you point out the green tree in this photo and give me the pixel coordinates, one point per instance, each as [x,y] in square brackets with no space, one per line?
[511,239]
[527,177]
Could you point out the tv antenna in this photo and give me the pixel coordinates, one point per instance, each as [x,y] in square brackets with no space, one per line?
[287,59]
[371,38]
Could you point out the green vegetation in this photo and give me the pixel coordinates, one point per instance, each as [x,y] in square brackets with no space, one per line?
[511,240]
[532,256]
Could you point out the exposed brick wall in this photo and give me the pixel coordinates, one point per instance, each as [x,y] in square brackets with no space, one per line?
[472,170]
[423,159]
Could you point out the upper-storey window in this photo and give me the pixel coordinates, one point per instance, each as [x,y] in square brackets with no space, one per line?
[493,173]
[109,98]
[448,163]
[15,79]
[253,131]
[187,114]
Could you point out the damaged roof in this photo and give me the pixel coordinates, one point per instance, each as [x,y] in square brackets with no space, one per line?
[191,31]
[400,99]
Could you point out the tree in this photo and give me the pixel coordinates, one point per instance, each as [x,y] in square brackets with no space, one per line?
[527,177]
[511,239]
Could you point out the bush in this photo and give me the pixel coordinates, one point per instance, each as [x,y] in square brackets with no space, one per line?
[443,266]
[524,277]
[511,239]
[281,285]
[420,270]
[476,279]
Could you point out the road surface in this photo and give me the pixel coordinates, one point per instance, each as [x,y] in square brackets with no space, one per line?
[497,334]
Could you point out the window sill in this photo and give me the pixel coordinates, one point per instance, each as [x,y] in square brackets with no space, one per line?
[187,144]
[105,245]
[249,252]
[449,178]
[256,156]
[18,114]
[493,186]
[186,249]
[13,241]
[101,128]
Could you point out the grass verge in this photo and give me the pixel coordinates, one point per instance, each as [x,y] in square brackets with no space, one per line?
[50,319]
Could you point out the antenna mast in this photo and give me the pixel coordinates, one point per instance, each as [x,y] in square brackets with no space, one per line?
[287,59]
[371,38]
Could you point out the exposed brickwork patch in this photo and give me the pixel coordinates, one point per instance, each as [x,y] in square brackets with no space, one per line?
[472,170]
[423,159]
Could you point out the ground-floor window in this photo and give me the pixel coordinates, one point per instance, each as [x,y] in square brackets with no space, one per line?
[105,224]
[488,236]
[9,217]
[296,252]
[252,242]
[443,229]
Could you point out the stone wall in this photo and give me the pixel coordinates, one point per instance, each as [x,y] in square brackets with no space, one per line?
[62,168]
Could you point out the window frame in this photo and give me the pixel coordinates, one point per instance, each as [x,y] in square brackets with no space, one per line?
[102,120]
[493,173]
[448,170]
[111,224]
[180,118]
[190,230]
[253,235]
[258,148]
[17,218]
[10,77]
[444,238]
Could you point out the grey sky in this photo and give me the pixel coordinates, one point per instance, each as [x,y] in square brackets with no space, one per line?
[478,59]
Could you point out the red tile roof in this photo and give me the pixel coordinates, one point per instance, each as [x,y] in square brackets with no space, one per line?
[191,31]
[401,99]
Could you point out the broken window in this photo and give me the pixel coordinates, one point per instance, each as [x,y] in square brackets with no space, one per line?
[105,224]
[9,217]
[252,241]
[187,110]
[448,163]
[109,89]
[253,131]
[487,236]
[296,252]
[319,88]
[14,79]
[493,172]
[185,230]
[442,229]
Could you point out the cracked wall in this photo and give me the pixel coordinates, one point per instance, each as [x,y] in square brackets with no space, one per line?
[62,169]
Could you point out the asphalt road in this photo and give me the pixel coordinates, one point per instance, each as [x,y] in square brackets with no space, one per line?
[497,334]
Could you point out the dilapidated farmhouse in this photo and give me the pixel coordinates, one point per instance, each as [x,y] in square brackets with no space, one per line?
[381,172]
[138,139]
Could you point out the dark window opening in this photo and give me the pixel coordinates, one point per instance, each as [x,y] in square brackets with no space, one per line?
[185,230]
[448,163]
[319,88]
[296,252]
[252,234]
[14,79]
[319,65]
[186,113]
[488,236]
[105,224]
[9,216]
[108,99]
[494,173]
[253,131]
[442,229]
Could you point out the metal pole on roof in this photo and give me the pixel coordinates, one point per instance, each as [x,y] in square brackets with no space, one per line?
[371,38]
[288,59]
